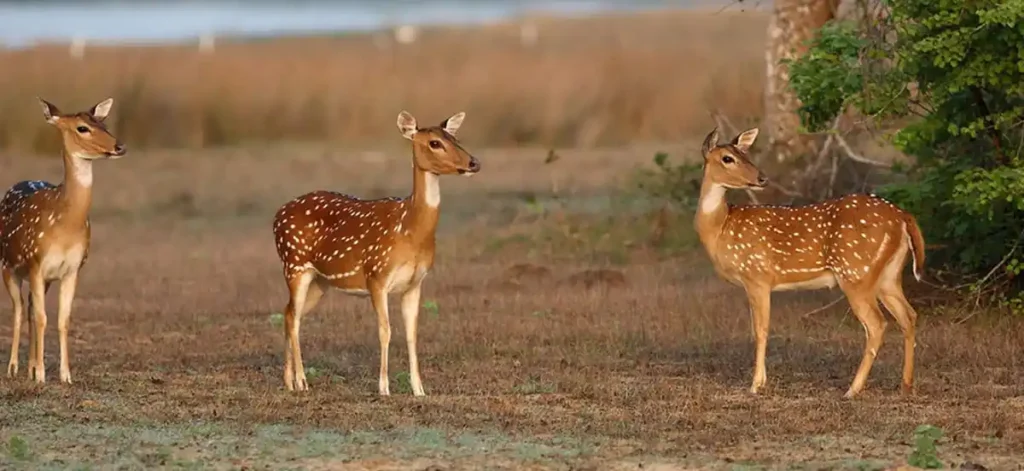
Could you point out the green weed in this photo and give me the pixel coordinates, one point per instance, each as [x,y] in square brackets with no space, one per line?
[925,454]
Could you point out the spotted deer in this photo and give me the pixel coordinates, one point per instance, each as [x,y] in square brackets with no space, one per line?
[44,232]
[368,247]
[858,242]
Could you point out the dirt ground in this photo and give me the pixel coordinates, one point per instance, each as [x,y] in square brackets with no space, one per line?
[553,335]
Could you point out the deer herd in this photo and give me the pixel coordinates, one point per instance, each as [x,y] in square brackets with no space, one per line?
[374,248]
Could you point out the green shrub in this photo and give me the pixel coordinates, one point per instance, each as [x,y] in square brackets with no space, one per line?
[966,135]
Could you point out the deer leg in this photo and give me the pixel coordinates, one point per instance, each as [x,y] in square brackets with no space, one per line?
[865,307]
[37,295]
[31,357]
[410,313]
[13,286]
[30,318]
[313,295]
[896,303]
[759,298]
[379,298]
[294,373]
[67,295]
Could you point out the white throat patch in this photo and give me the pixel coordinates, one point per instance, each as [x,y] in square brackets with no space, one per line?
[713,199]
[432,190]
[81,169]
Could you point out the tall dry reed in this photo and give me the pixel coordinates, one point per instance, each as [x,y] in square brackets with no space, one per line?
[598,80]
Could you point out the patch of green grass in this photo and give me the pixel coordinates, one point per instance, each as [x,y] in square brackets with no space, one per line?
[320,444]
[746,466]
[925,453]
[864,465]
[427,438]
[276,319]
[471,443]
[402,383]
[313,372]
[431,307]
[496,244]
[17,448]
[534,385]
[212,445]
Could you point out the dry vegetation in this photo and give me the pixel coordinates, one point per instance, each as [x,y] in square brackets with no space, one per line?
[553,333]
[549,335]
[589,81]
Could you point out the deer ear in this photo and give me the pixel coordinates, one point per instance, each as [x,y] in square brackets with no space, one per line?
[452,125]
[50,112]
[406,124]
[709,142]
[102,109]
[745,139]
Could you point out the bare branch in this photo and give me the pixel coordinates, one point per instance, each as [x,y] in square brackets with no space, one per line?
[832,175]
[753,197]
[723,123]
[824,148]
[785,191]
[855,156]
[980,283]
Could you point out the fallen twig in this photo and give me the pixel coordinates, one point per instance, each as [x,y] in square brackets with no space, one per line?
[815,311]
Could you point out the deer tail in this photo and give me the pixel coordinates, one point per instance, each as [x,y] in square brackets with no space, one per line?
[916,245]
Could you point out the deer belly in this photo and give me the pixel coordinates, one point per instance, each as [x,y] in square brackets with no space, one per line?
[824,280]
[404,277]
[59,263]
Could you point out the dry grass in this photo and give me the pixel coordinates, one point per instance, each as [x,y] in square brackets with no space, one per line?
[174,333]
[601,80]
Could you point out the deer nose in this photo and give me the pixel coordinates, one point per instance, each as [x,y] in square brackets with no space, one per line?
[762,180]
[119,149]
[474,165]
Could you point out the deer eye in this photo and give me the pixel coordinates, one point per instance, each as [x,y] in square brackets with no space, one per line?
[435,144]
[82,130]
[728,159]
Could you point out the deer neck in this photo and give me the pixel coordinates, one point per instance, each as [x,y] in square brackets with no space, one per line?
[425,202]
[712,213]
[76,191]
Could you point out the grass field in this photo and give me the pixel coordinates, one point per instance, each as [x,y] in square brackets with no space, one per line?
[553,335]
[558,329]
[591,81]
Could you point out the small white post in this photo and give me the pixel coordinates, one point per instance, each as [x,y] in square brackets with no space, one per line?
[77,49]
[206,43]
[406,34]
[529,34]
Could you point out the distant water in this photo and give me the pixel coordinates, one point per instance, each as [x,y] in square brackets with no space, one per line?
[22,23]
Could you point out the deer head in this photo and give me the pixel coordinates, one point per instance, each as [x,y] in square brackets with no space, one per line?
[436,149]
[729,165]
[84,134]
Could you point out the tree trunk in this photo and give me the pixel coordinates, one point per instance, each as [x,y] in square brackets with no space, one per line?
[793,23]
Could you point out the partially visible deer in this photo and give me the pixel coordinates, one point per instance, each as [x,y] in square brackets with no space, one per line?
[44,232]
[858,242]
[368,247]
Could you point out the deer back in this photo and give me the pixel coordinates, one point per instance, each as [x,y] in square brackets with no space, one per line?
[346,240]
[851,238]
